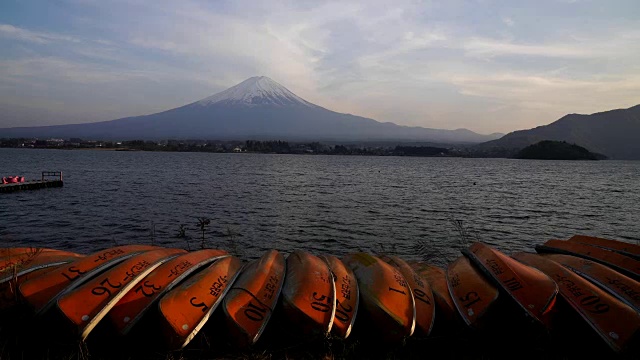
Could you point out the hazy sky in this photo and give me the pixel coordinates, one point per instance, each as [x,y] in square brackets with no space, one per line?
[489,66]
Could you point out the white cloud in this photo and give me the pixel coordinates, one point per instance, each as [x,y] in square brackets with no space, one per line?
[508,21]
[12,32]
[421,63]
[551,94]
[484,47]
[57,69]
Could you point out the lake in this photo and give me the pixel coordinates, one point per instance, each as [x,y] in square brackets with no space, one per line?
[412,207]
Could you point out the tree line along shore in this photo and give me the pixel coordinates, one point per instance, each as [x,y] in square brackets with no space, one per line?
[248,146]
[544,150]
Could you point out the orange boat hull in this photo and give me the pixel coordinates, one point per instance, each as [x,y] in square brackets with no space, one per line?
[253,297]
[27,258]
[622,287]
[533,290]
[39,261]
[599,309]
[186,308]
[19,252]
[86,305]
[421,292]
[621,247]
[447,316]
[130,309]
[9,295]
[347,297]
[42,292]
[40,264]
[309,294]
[385,298]
[472,294]
[623,264]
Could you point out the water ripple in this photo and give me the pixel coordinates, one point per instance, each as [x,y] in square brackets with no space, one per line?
[325,204]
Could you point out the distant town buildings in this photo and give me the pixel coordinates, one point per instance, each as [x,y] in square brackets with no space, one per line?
[249,146]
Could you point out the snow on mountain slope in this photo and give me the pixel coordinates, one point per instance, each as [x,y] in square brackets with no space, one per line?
[258,90]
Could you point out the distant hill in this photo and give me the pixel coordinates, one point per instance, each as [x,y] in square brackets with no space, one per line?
[614,133]
[556,150]
[257,108]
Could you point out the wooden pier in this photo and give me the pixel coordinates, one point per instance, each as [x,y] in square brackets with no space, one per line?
[44,182]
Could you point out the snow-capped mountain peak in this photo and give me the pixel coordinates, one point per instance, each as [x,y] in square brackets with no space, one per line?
[257,90]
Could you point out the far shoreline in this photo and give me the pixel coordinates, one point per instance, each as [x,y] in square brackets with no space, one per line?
[289,153]
[279,148]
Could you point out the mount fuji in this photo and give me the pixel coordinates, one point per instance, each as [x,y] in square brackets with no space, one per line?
[257,108]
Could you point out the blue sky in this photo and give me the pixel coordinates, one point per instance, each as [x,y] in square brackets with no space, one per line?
[489,66]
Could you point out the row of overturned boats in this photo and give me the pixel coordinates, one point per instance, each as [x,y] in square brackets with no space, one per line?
[173,293]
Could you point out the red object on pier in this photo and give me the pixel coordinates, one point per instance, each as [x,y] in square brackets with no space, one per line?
[12,179]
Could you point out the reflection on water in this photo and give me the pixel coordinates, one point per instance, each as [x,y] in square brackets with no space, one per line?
[332,204]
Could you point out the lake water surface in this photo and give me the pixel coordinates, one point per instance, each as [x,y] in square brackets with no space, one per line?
[324,204]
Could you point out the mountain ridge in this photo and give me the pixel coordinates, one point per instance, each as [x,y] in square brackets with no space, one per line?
[257,108]
[613,133]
